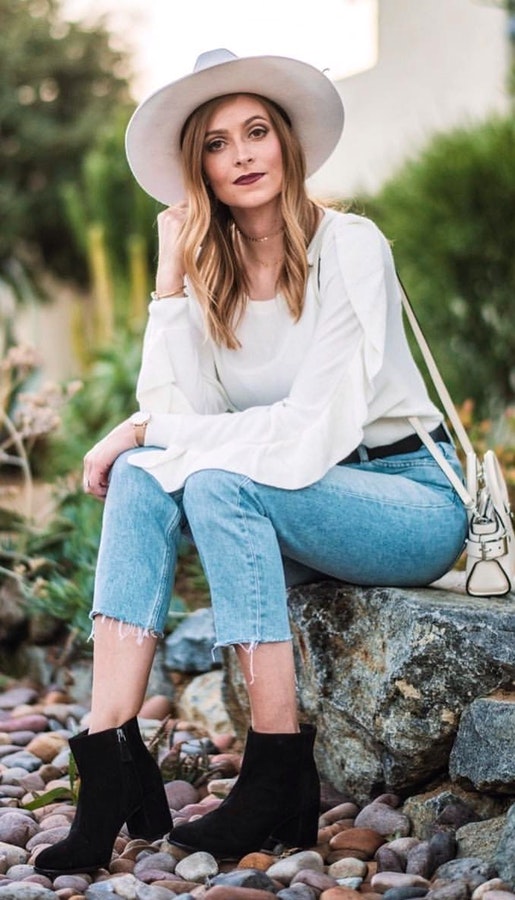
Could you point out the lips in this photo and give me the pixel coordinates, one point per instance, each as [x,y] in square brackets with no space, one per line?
[251,178]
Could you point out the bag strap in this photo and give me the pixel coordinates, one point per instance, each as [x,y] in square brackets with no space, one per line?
[469,493]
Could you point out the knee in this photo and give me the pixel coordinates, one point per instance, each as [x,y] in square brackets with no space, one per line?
[205,492]
[125,480]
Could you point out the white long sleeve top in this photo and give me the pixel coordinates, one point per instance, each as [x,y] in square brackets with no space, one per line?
[297,397]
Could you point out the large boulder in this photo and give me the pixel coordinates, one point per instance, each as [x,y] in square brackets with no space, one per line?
[386,673]
[482,756]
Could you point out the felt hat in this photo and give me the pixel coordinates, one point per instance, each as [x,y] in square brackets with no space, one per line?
[307,96]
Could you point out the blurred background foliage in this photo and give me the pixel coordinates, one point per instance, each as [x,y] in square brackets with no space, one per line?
[70,207]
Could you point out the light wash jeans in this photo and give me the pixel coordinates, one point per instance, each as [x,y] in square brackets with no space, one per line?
[394,521]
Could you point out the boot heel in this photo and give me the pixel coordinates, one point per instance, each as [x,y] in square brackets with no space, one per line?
[298,831]
[152,819]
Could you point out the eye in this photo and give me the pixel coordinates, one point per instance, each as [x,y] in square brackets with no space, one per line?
[258,131]
[214,145]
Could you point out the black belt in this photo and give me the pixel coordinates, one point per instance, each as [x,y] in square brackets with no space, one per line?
[405,445]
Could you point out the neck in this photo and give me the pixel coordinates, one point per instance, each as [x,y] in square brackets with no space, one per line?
[262,238]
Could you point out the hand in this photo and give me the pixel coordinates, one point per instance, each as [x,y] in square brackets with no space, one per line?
[170,267]
[98,460]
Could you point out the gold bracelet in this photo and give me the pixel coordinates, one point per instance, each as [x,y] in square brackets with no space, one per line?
[180,292]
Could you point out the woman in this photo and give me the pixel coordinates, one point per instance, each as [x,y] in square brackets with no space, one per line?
[275,388]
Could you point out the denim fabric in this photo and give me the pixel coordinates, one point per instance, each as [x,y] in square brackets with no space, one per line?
[394,521]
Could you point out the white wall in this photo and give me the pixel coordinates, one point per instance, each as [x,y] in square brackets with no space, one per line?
[441,63]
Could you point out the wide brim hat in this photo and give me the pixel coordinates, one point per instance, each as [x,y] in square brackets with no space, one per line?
[308,97]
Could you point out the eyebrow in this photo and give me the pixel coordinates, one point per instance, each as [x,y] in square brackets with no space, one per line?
[246,122]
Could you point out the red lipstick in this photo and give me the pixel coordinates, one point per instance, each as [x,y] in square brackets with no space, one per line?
[251,178]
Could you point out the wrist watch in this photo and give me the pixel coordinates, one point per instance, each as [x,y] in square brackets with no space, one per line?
[139,421]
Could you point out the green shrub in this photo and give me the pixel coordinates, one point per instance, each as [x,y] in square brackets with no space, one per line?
[449,215]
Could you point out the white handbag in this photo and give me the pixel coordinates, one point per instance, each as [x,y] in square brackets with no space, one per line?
[490,549]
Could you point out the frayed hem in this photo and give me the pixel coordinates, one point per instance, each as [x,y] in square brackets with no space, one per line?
[125,629]
[248,647]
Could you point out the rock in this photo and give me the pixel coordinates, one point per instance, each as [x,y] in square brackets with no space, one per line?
[261,861]
[456,890]
[401,847]
[480,838]
[25,891]
[33,722]
[339,893]
[77,883]
[498,895]
[202,702]
[345,810]
[189,647]
[505,853]
[17,828]
[23,759]
[384,881]
[221,892]
[12,854]
[284,870]
[449,805]
[388,860]
[471,870]
[420,860]
[17,696]
[405,893]
[482,754]
[383,819]
[46,746]
[388,711]
[197,866]
[349,867]
[245,878]
[297,892]
[163,862]
[494,884]
[443,848]
[365,839]
[317,880]
[180,793]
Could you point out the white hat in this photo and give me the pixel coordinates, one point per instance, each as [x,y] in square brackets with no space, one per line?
[307,96]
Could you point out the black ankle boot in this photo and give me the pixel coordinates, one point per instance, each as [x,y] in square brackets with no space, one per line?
[111,793]
[152,819]
[276,799]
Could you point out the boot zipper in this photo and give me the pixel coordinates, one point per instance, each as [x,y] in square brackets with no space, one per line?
[124,748]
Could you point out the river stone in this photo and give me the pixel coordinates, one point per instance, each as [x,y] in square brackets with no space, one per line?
[317,880]
[455,890]
[383,881]
[17,696]
[388,710]
[505,853]
[349,867]
[23,759]
[297,892]
[405,893]
[482,755]
[383,819]
[197,866]
[18,829]
[244,878]
[163,862]
[153,892]
[495,884]
[470,869]
[286,869]
[190,646]
[12,854]
[420,860]
[24,890]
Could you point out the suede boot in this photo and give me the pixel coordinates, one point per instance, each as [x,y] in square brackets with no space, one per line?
[113,768]
[276,799]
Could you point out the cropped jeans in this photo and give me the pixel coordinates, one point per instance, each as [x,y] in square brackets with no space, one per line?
[394,521]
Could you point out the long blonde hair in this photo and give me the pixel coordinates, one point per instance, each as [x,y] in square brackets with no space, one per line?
[212,255]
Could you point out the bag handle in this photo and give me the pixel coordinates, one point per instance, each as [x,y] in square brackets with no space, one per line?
[468,494]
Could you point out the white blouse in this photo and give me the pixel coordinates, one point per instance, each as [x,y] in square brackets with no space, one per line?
[297,397]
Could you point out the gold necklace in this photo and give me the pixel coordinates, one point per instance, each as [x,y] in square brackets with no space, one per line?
[260,240]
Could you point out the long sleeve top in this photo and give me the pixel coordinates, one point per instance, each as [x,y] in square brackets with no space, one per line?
[296,397]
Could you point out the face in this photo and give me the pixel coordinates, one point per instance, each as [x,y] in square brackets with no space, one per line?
[242,157]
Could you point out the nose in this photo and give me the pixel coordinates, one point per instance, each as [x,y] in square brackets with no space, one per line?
[243,156]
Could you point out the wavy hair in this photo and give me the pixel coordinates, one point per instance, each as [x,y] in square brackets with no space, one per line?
[212,256]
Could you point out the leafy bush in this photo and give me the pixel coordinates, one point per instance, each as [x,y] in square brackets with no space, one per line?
[449,215]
